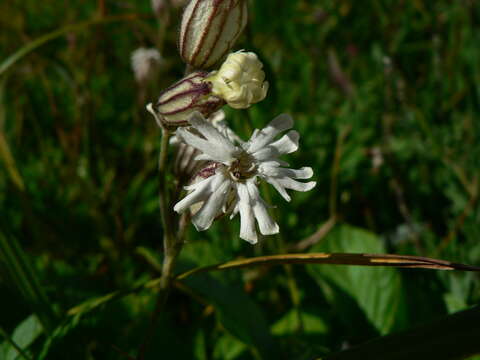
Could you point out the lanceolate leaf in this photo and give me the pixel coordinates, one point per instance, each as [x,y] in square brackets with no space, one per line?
[450,338]
[374,260]
[388,260]
[401,261]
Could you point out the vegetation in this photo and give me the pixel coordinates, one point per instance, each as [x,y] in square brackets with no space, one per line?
[386,97]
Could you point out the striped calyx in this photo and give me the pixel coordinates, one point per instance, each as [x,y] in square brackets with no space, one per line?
[209,30]
[178,102]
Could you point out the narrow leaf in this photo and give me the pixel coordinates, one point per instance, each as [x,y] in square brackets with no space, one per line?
[18,269]
[31,46]
[450,338]
[399,261]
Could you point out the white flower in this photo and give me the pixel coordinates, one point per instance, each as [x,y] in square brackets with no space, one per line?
[145,63]
[185,165]
[240,80]
[229,183]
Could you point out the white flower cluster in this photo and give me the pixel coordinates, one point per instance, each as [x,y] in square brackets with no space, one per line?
[229,184]
[223,171]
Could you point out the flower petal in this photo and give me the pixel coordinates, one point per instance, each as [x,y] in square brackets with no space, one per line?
[211,133]
[281,190]
[203,157]
[289,183]
[235,211]
[212,207]
[273,163]
[200,144]
[278,172]
[247,219]
[287,143]
[265,136]
[265,222]
[199,192]
[215,145]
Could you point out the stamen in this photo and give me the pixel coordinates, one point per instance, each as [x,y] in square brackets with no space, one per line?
[242,168]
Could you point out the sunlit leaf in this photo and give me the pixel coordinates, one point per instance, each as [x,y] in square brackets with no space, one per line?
[24,335]
[378,292]
[292,321]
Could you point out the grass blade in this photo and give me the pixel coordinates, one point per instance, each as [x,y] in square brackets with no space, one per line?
[399,261]
[22,276]
[28,48]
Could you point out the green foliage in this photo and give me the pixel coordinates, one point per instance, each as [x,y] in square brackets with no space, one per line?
[377,292]
[23,336]
[386,97]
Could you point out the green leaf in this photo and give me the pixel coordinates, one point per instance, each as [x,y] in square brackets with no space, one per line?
[236,311]
[22,276]
[293,320]
[377,292]
[24,335]
[228,348]
[450,338]
[200,346]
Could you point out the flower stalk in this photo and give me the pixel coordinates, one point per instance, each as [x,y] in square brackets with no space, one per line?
[172,243]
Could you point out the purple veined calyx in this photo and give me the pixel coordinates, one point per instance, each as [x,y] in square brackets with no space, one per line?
[210,29]
[179,101]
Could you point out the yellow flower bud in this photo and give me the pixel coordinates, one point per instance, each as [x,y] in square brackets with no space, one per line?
[209,30]
[240,80]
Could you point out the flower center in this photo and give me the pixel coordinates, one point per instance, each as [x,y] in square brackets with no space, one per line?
[243,167]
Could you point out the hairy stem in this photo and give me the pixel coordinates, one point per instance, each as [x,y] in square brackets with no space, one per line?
[172,244]
[163,190]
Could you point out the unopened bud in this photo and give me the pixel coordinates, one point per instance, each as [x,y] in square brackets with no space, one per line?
[209,30]
[240,80]
[178,102]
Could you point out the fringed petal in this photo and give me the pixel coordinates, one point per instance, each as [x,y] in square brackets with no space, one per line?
[263,137]
[203,219]
[265,222]
[247,218]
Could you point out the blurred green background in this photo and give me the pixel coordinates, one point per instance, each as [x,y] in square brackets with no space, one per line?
[386,97]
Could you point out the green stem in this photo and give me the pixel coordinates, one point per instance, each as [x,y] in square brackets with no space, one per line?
[163,191]
[172,244]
